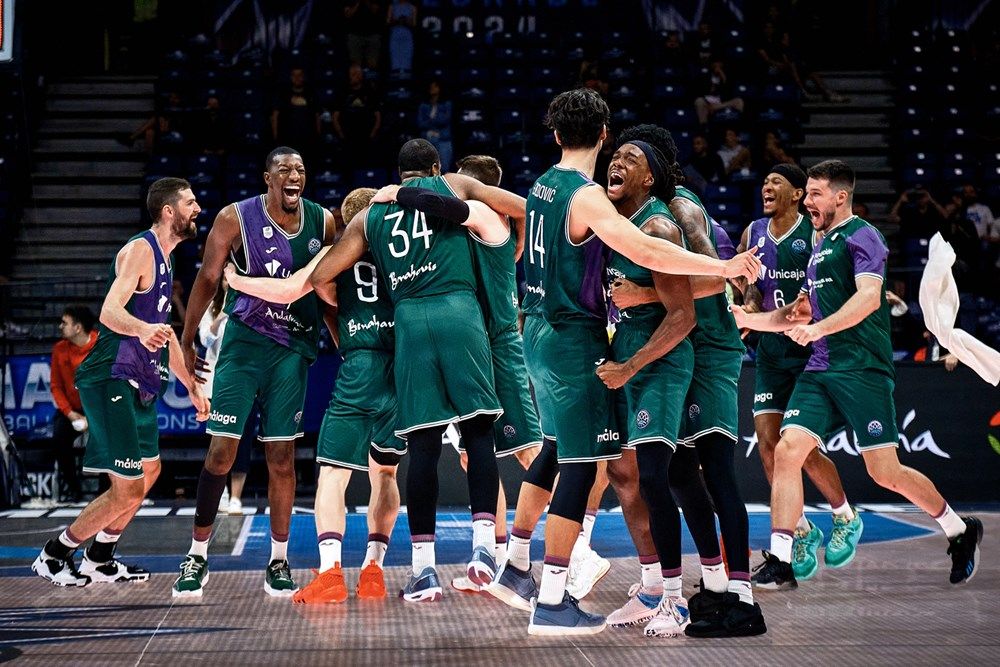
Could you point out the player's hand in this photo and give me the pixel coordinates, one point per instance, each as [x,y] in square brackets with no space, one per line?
[614,375]
[746,265]
[626,294]
[950,362]
[202,405]
[385,195]
[740,315]
[154,336]
[196,367]
[803,334]
[801,309]
[232,277]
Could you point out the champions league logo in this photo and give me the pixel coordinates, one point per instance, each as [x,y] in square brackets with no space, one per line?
[298,417]
[509,432]
[694,411]
[267,231]
[800,246]
[314,246]
[642,419]
[874,428]
[761,242]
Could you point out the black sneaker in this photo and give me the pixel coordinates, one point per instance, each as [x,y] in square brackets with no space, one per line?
[736,619]
[706,603]
[774,574]
[964,551]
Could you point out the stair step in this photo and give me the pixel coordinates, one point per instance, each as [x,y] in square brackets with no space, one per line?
[863,163]
[854,121]
[849,141]
[113,78]
[865,74]
[92,145]
[81,268]
[866,186]
[858,104]
[124,216]
[103,105]
[89,191]
[82,235]
[89,169]
[852,85]
[68,253]
[102,88]
[88,127]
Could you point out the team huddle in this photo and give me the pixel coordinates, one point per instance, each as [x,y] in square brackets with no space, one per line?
[619,366]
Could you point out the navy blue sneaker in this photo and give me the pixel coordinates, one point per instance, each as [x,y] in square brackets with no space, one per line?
[423,587]
[563,619]
[964,551]
[482,567]
[514,587]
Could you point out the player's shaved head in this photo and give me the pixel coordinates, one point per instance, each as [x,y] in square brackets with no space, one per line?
[418,156]
[355,201]
[272,157]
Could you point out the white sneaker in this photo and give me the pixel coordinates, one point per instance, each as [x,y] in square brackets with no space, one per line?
[670,619]
[585,571]
[112,571]
[465,585]
[235,506]
[224,500]
[60,572]
[641,607]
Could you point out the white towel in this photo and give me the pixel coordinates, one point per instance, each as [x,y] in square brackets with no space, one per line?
[939,301]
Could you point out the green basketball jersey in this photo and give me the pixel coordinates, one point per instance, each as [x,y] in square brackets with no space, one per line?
[497,293]
[647,316]
[565,280]
[419,254]
[716,327]
[270,251]
[851,249]
[782,274]
[364,315]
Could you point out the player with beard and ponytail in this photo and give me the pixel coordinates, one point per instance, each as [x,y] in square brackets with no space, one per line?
[119,382]
[265,355]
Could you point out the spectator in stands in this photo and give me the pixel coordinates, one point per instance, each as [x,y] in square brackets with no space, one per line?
[963,236]
[363,24]
[592,77]
[716,94]
[210,131]
[703,45]
[861,210]
[434,123]
[779,59]
[705,166]
[295,115]
[735,156]
[673,52]
[358,119]
[917,214]
[164,122]
[402,21]
[78,339]
[773,152]
[965,202]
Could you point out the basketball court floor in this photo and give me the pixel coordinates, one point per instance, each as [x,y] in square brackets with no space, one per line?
[893,605]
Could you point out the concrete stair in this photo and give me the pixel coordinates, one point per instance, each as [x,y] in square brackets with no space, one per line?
[85,199]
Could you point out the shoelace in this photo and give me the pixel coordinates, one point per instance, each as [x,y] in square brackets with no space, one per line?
[633,590]
[838,538]
[281,570]
[189,568]
[800,550]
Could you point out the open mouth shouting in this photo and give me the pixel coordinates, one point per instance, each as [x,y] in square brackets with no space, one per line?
[290,197]
[616,182]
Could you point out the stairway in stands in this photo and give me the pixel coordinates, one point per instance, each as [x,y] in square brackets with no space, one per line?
[856,132]
[85,199]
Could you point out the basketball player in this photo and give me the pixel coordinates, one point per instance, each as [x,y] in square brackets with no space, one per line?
[566,339]
[356,433]
[446,372]
[265,355]
[785,240]
[119,383]
[850,375]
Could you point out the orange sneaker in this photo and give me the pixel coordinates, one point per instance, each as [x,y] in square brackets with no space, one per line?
[328,586]
[371,583]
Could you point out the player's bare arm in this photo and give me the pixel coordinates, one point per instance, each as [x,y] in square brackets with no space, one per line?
[276,290]
[132,266]
[674,292]
[201,403]
[775,321]
[330,319]
[592,209]
[753,300]
[692,220]
[500,200]
[349,249]
[862,303]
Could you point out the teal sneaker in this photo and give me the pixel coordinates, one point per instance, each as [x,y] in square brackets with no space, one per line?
[805,561]
[843,540]
[193,577]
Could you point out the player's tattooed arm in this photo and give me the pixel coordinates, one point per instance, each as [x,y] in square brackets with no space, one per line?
[674,292]
[692,220]
[344,255]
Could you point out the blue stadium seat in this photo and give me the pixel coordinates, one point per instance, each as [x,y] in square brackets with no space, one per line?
[206,164]
[370,178]
[720,192]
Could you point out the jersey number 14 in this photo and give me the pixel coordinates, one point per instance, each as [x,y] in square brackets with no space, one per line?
[535,245]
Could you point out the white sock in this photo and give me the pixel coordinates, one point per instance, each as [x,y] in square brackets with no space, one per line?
[108,538]
[484,534]
[279,550]
[803,524]
[519,552]
[715,577]
[672,586]
[423,556]
[781,546]
[742,588]
[68,541]
[652,580]
[844,511]
[589,519]
[553,583]
[950,523]
[330,548]
[500,550]
[375,551]
[199,548]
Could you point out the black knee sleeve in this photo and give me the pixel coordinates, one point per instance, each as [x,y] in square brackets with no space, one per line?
[543,470]
[422,480]
[483,476]
[689,491]
[570,498]
[653,460]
